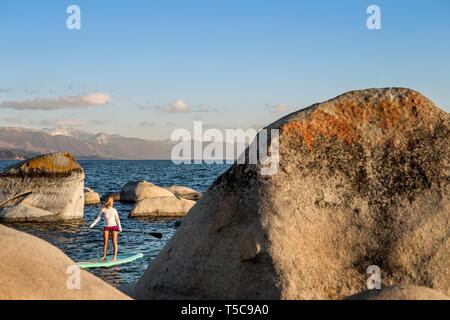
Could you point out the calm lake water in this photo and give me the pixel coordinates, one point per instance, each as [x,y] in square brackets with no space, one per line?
[108,176]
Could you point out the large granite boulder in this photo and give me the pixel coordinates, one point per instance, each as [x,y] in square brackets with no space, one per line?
[168,207]
[184,192]
[138,190]
[400,293]
[44,188]
[363,180]
[33,269]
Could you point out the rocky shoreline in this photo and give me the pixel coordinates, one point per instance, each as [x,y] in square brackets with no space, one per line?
[362,181]
[51,187]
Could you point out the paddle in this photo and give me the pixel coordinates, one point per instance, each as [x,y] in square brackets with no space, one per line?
[153,234]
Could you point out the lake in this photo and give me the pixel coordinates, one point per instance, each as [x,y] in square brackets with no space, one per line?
[109,176]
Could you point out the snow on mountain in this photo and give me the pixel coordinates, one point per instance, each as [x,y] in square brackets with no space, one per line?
[69,132]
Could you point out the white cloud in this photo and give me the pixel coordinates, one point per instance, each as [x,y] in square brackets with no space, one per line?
[63,123]
[178,106]
[80,101]
[279,108]
[181,106]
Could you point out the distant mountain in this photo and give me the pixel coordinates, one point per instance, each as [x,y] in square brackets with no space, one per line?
[69,132]
[18,143]
[15,154]
[82,145]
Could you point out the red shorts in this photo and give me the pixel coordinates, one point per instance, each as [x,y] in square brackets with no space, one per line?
[111,228]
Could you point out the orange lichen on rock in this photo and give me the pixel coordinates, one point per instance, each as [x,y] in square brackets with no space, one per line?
[59,162]
[390,115]
[348,121]
[324,124]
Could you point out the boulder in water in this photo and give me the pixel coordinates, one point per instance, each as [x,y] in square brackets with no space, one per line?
[362,180]
[138,190]
[44,188]
[162,207]
[185,192]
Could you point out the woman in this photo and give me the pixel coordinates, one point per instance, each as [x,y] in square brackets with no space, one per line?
[111,221]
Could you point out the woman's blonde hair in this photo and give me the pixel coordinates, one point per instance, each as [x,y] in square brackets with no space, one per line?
[108,204]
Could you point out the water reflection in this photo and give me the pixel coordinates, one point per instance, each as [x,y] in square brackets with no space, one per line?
[110,275]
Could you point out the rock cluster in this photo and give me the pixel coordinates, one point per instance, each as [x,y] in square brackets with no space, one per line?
[154,201]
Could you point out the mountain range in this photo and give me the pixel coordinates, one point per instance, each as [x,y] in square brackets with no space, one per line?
[17,143]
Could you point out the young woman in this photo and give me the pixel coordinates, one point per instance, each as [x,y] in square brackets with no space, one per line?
[111,224]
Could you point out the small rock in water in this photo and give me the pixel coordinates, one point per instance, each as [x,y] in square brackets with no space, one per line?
[91,197]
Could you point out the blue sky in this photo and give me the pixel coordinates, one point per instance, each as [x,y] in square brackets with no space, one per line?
[163,64]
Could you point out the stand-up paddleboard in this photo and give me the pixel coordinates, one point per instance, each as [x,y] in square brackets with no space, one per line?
[121,258]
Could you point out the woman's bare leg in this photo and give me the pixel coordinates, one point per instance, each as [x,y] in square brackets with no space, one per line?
[105,243]
[114,238]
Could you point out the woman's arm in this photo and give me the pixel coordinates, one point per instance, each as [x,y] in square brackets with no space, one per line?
[116,216]
[96,220]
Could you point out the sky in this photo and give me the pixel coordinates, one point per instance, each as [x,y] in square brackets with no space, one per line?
[145,68]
